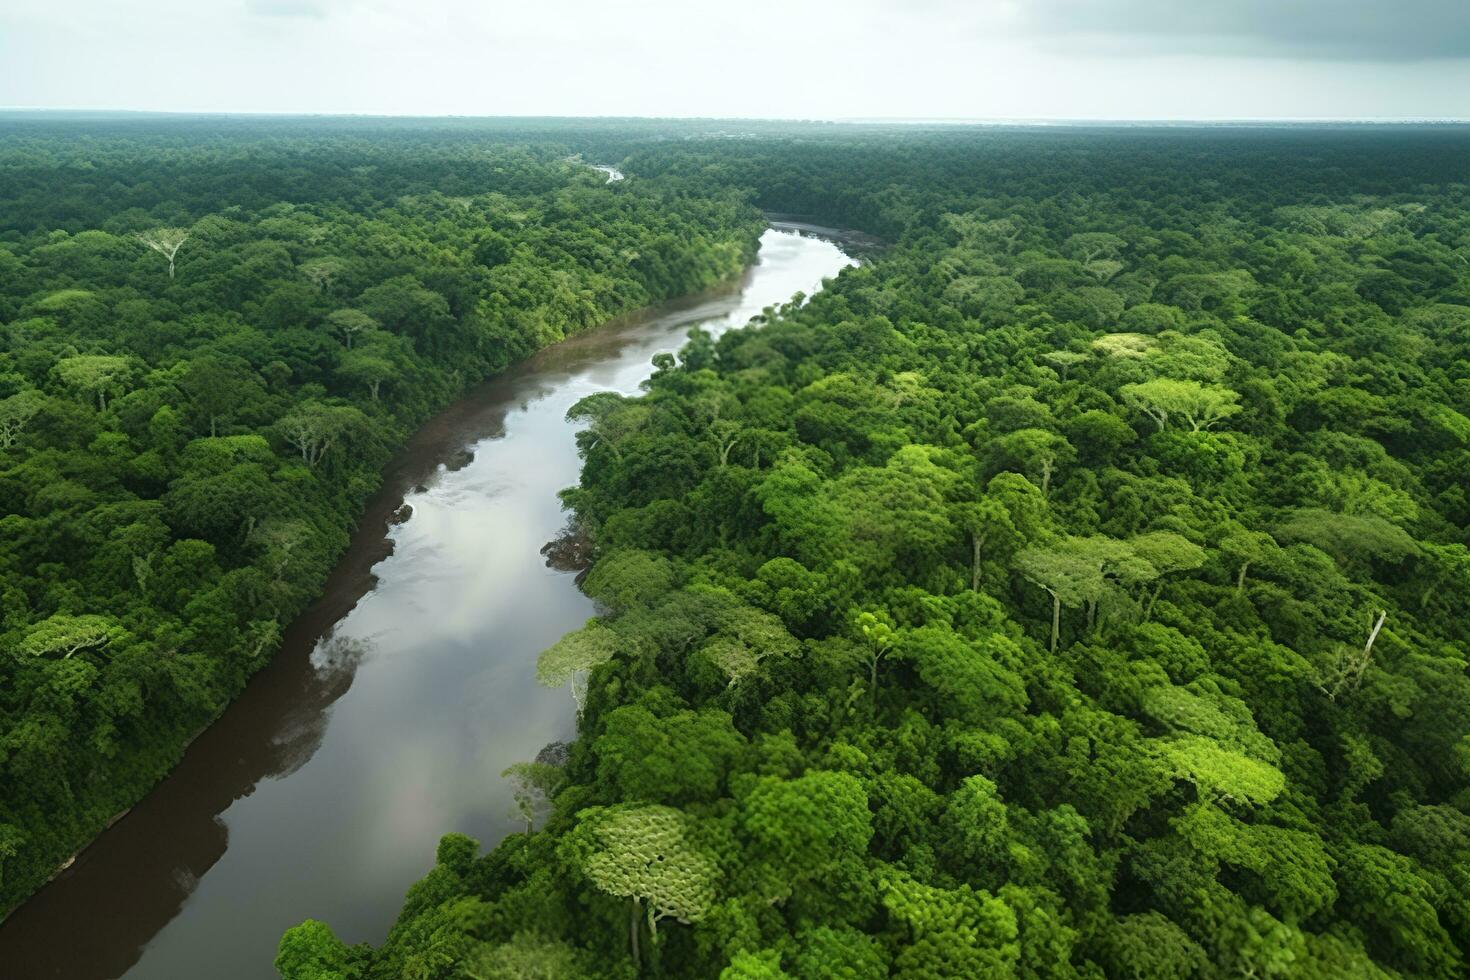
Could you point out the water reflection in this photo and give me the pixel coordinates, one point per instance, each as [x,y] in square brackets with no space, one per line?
[395,701]
[136,880]
[333,664]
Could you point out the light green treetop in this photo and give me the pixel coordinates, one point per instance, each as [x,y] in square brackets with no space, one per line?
[1200,406]
[569,659]
[645,854]
[93,374]
[67,635]
[16,413]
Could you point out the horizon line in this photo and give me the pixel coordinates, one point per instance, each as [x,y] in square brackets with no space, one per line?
[830,120]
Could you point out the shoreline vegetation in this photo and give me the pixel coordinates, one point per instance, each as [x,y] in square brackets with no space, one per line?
[1071,591]
[387,505]
[438,630]
[316,329]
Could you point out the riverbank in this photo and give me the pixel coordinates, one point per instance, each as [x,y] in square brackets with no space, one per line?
[313,345]
[355,737]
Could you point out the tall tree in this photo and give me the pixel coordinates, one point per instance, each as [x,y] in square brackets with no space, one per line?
[95,374]
[166,242]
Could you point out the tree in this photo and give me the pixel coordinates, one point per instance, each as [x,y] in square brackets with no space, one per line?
[1223,774]
[93,374]
[809,836]
[645,854]
[764,965]
[404,306]
[727,434]
[261,636]
[1196,357]
[1148,944]
[1201,406]
[323,271]
[16,413]
[349,323]
[951,932]
[1382,892]
[1088,246]
[533,784]
[166,242]
[218,505]
[629,577]
[1246,547]
[609,418]
[977,828]
[1444,570]
[1064,360]
[366,367]
[315,429]
[570,659]
[880,641]
[1121,569]
[280,543]
[1167,553]
[746,637]
[1093,306]
[1345,671]
[974,678]
[1152,318]
[66,635]
[1354,539]
[1071,579]
[992,297]
[311,951]
[1101,436]
[893,517]
[1103,269]
[825,952]
[734,658]
[528,956]
[218,388]
[987,521]
[975,227]
[677,758]
[1036,451]
[1124,345]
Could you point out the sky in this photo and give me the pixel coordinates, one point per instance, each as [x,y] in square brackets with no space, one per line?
[805,59]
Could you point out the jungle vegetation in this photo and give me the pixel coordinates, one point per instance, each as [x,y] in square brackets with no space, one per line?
[1077,589]
[209,346]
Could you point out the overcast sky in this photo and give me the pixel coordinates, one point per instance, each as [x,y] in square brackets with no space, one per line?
[1108,59]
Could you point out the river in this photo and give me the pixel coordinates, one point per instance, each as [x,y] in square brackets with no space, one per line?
[395,701]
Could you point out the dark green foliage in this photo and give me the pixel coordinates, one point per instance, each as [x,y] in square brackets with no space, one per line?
[1007,609]
[182,459]
[1190,407]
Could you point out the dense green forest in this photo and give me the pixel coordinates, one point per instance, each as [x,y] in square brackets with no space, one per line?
[1076,590]
[212,336]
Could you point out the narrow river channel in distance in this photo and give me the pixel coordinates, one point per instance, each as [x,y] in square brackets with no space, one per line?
[395,701]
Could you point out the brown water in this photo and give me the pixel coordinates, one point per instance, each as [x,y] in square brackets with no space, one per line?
[395,701]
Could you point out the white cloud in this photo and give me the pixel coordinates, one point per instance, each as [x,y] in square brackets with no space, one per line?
[784,58]
[287,8]
[1358,30]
